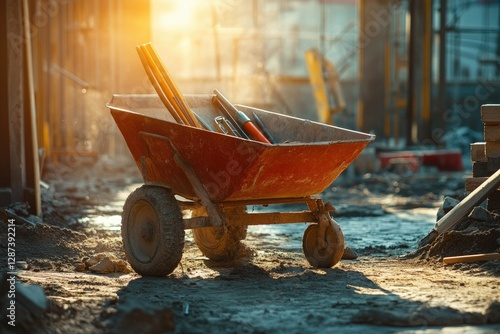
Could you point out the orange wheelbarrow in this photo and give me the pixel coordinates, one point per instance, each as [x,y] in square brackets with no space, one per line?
[204,180]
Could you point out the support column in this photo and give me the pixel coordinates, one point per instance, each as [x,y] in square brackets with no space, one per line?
[419,78]
[12,166]
[374,19]
[17,165]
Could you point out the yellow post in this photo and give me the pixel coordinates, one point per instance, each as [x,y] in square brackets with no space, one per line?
[313,61]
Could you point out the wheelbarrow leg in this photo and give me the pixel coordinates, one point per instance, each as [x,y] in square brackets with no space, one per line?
[220,241]
[213,213]
[322,212]
[323,224]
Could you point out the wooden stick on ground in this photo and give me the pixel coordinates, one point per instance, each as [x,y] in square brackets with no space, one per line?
[471,258]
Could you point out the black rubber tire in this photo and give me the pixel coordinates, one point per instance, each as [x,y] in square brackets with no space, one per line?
[152,231]
[323,257]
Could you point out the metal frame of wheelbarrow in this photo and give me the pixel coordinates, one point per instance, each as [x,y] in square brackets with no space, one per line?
[223,214]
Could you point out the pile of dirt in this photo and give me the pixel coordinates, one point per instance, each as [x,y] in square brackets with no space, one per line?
[61,240]
[43,246]
[474,234]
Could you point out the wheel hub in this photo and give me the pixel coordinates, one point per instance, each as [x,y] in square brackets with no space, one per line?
[147,231]
[143,236]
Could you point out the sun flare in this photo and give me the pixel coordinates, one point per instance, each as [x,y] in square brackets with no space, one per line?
[176,13]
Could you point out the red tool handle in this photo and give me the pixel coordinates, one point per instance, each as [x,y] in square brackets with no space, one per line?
[254,132]
[243,120]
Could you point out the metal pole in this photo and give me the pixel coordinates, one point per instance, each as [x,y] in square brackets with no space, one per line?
[442,60]
[410,109]
[498,47]
[427,70]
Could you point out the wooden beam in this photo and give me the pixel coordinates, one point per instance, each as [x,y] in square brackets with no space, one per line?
[490,114]
[15,102]
[478,152]
[492,132]
[492,149]
[467,204]
[32,106]
[5,190]
[471,183]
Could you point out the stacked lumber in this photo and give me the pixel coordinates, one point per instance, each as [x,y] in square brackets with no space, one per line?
[485,155]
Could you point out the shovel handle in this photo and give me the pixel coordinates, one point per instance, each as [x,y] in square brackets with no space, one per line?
[157,87]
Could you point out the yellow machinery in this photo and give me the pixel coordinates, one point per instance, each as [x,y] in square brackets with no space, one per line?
[324,79]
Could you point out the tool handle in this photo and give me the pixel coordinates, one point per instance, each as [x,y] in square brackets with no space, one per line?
[242,119]
[157,87]
[218,104]
[162,84]
[169,86]
[254,132]
[264,128]
[202,122]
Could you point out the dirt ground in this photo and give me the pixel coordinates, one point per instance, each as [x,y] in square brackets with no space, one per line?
[392,287]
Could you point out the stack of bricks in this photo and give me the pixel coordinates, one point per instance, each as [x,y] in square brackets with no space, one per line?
[485,156]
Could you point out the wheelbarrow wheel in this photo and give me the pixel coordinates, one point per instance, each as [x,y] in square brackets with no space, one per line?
[221,243]
[152,231]
[323,255]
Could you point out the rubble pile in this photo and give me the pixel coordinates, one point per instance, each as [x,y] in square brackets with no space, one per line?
[477,233]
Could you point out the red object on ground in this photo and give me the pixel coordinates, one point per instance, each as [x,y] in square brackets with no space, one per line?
[387,158]
[444,160]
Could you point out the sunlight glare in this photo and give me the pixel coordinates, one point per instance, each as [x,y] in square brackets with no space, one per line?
[180,14]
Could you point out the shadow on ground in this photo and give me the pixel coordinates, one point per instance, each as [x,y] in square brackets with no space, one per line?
[286,299]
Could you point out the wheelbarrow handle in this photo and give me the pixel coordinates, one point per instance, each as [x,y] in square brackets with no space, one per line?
[157,87]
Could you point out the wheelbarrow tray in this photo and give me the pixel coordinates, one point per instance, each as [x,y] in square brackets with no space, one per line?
[307,158]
